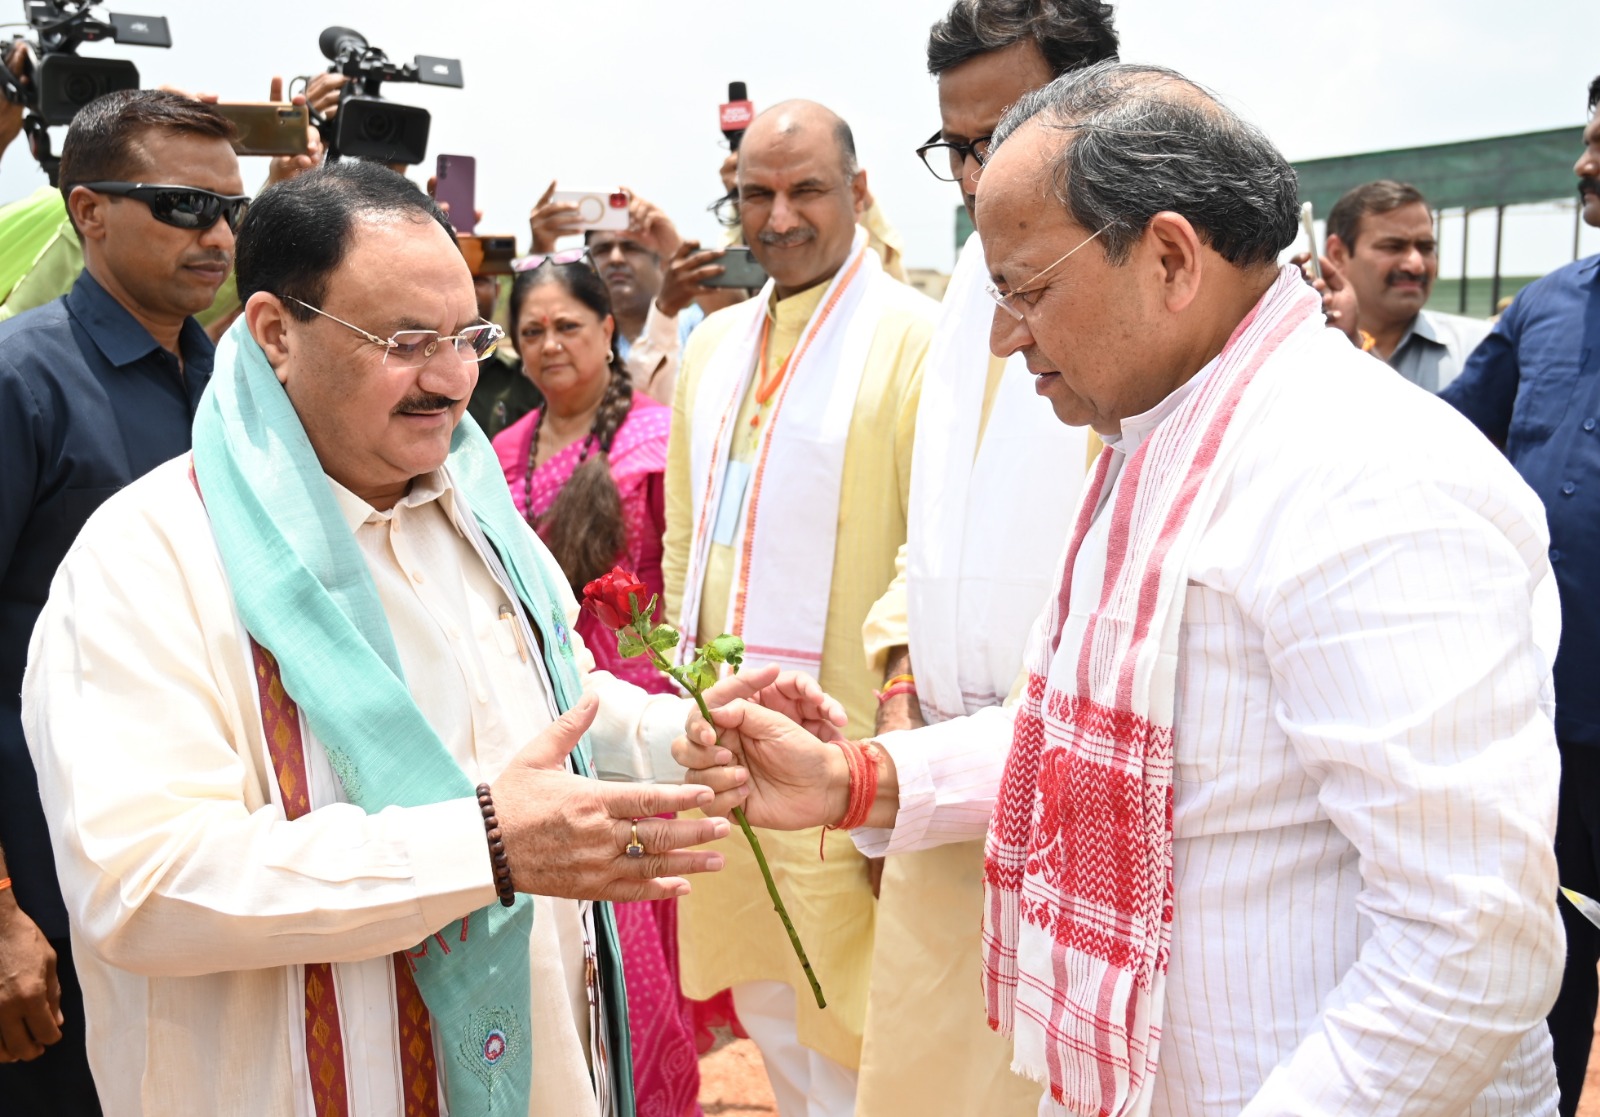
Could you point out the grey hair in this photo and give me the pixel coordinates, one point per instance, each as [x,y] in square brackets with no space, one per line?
[1068,33]
[1144,139]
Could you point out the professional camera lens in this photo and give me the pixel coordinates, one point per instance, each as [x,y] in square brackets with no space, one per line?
[377,127]
[80,89]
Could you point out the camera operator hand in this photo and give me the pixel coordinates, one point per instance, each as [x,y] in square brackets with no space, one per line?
[284,167]
[651,225]
[10,112]
[683,279]
[550,221]
[322,94]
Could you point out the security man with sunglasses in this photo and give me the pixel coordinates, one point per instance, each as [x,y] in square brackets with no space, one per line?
[96,389]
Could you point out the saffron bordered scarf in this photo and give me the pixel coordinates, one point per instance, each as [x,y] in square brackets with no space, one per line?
[304,592]
[779,598]
[1078,864]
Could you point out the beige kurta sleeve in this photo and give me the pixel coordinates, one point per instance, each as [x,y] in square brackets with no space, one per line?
[888,625]
[140,713]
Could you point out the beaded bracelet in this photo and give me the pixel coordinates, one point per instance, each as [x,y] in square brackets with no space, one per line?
[497,848]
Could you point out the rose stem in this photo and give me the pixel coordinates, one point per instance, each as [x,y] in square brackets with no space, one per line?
[761,858]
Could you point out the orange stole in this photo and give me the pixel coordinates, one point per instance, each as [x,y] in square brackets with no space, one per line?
[330,1092]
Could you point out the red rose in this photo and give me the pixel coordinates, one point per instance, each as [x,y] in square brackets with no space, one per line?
[607,597]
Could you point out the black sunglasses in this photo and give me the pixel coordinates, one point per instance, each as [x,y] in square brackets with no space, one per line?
[184,207]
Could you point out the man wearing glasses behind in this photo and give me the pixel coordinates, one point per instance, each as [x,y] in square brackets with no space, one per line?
[96,388]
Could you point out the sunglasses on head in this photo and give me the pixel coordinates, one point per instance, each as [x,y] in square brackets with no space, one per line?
[183,207]
[566,256]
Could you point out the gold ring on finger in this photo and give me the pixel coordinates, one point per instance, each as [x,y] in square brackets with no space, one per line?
[634,847]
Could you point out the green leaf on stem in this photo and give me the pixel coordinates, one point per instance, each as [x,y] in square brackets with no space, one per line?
[663,638]
[699,676]
[726,649]
[629,645]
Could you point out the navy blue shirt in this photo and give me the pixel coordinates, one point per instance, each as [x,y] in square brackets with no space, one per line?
[88,402]
[1533,386]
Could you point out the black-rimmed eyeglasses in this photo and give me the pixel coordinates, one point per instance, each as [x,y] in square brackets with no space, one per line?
[948,160]
[183,207]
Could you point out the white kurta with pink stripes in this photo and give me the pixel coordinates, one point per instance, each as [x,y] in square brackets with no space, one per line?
[1365,767]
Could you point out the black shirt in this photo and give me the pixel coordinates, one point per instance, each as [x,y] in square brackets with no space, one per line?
[88,402]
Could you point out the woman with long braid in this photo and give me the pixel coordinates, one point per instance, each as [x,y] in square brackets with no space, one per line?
[586,472]
[585,469]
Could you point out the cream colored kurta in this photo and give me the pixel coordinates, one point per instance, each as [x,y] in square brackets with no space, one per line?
[728,932]
[193,901]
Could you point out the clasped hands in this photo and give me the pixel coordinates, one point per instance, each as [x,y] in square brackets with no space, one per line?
[569,836]
[769,749]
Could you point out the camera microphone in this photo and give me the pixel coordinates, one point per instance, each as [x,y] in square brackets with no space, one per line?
[336,41]
[736,114]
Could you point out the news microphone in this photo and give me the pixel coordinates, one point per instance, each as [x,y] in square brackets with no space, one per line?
[736,114]
[336,41]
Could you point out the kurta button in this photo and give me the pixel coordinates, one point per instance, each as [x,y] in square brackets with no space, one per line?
[1568,489]
[416,576]
[1588,424]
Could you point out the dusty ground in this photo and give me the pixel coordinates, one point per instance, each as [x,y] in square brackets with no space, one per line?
[733,1081]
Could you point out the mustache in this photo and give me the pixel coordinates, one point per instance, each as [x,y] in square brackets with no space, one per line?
[792,239]
[414,405]
[1400,274]
[1589,186]
[208,257]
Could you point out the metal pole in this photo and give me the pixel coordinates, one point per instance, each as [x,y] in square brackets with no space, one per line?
[1466,220]
[1577,225]
[1499,227]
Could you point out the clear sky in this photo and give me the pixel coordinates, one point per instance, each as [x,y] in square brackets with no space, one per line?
[603,93]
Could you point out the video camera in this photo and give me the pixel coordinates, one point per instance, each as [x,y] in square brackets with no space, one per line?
[59,82]
[367,126]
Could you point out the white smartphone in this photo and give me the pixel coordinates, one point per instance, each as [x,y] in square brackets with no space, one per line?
[1310,227]
[597,209]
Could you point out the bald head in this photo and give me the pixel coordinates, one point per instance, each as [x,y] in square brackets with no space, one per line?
[804,122]
[800,193]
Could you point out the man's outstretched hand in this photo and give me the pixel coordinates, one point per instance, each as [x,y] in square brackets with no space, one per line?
[794,694]
[756,758]
[567,836]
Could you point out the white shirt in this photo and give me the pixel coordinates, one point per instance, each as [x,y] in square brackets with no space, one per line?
[193,901]
[1365,770]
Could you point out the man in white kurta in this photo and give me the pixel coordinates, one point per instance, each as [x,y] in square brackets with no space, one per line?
[1360,778]
[211,873]
[980,558]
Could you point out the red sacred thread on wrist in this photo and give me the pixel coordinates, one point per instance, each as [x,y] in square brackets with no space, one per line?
[862,760]
[889,692]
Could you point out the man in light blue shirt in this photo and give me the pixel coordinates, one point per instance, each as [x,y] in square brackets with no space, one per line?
[1381,236]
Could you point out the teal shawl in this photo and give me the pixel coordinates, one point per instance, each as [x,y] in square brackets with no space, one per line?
[304,592]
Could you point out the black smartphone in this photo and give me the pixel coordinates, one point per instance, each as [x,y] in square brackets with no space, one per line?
[739,269]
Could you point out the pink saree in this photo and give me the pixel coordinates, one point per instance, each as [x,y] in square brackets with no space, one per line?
[638,466]
[661,1021]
